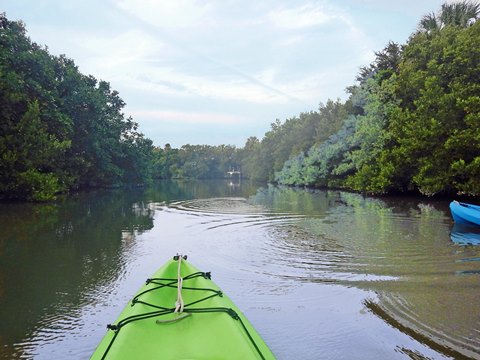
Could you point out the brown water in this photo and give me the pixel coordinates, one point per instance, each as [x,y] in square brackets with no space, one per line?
[321,275]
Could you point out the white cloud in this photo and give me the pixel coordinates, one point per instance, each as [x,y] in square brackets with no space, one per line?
[186,117]
[307,15]
[254,64]
[291,40]
[168,13]
[268,75]
[169,81]
[112,54]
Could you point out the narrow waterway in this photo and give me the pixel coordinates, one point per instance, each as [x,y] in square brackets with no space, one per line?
[320,274]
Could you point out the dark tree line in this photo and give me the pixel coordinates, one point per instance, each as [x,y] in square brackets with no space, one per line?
[411,123]
[194,162]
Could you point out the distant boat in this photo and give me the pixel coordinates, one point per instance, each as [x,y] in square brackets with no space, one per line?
[462,234]
[464,213]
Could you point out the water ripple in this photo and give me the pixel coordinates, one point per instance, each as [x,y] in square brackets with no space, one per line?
[390,253]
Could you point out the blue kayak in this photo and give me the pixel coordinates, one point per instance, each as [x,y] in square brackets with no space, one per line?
[464,213]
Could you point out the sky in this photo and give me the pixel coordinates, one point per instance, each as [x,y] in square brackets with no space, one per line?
[218,72]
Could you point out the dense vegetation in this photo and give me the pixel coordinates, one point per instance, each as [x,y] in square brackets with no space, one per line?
[60,129]
[194,161]
[411,123]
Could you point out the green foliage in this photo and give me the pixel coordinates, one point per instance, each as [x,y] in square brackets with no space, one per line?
[37,186]
[462,14]
[195,161]
[344,158]
[319,167]
[250,158]
[370,136]
[29,158]
[436,124]
[60,129]
[262,159]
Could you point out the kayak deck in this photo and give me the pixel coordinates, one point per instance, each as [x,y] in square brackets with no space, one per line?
[209,327]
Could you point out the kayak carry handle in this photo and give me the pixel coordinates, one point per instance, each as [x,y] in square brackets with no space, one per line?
[178,318]
[176,257]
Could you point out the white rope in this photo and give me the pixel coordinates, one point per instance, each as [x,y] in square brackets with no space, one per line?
[179,303]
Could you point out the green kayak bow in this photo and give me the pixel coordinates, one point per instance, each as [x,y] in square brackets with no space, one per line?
[180,313]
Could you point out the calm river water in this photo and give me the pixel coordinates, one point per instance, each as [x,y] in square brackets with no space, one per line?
[320,274]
